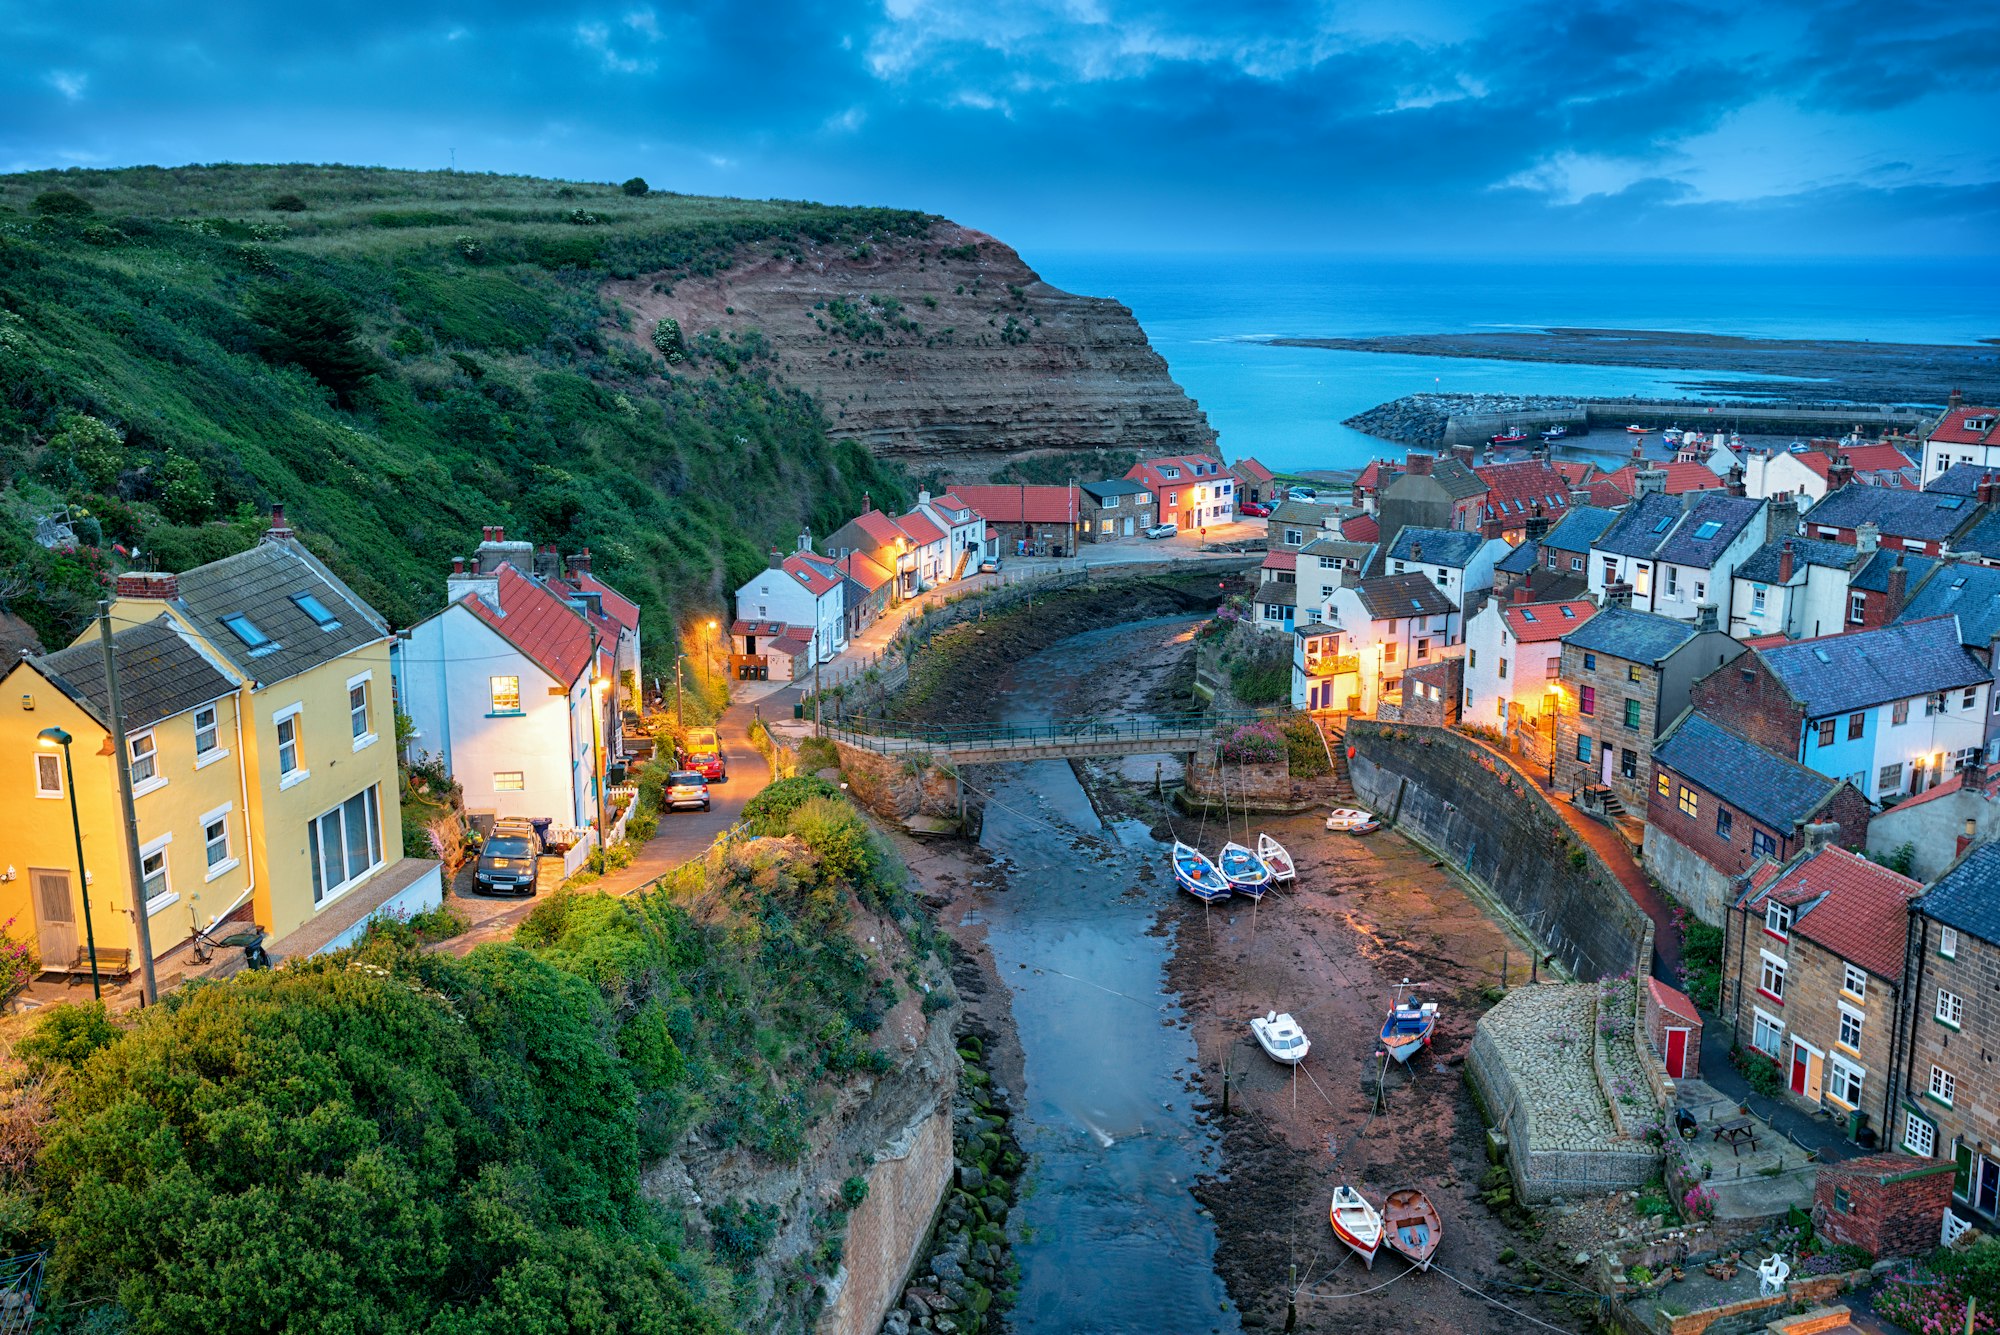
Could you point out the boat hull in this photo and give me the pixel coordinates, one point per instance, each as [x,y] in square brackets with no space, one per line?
[1405,1033]
[1278,859]
[1356,1223]
[1194,873]
[1412,1226]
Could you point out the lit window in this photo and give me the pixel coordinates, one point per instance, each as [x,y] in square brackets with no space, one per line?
[509,781]
[1631,672]
[48,775]
[205,731]
[1503,669]
[1944,1085]
[1778,919]
[288,745]
[245,630]
[145,758]
[1950,1008]
[1948,943]
[506,694]
[357,708]
[1772,977]
[1586,700]
[1690,801]
[1854,981]
[215,837]
[1919,1135]
[1665,784]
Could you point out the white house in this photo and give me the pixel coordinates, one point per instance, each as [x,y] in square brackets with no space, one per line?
[1324,564]
[510,686]
[1513,659]
[1799,588]
[1962,435]
[1458,561]
[1679,553]
[793,613]
[930,540]
[964,526]
[1365,637]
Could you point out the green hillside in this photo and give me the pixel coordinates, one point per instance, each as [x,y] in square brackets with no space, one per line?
[400,358]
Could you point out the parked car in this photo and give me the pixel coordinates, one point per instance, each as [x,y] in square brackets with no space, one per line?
[685,788]
[1254,509]
[990,566]
[507,863]
[703,755]
[1163,530]
[1299,493]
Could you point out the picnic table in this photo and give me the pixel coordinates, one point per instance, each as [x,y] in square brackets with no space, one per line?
[1735,1133]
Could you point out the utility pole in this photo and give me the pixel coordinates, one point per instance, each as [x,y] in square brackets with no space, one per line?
[818,730]
[142,926]
[680,719]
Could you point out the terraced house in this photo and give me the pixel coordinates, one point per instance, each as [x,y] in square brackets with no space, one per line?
[325,838]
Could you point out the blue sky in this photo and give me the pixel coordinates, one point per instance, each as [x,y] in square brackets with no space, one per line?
[1613,126]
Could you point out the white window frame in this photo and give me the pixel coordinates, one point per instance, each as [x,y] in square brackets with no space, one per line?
[1840,1072]
[1778,920]
[493,708]
[327,894]
[1854,981]
[1772,970]
[1943,1086]
[55,762]
[1925,1145]
[300,772]
[1948,942]
[366,681]
[167,896]
[1950,1010]
[216,750]
[519,785]
[230,862]
[1765,1022]
[155,781]
[1859,1018]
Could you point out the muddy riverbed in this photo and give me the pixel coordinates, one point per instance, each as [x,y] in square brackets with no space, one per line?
[1117,1003]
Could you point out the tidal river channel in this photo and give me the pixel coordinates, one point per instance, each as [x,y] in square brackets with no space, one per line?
[1108,1236]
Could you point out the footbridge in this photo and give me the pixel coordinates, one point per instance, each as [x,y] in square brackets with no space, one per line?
[1055,739]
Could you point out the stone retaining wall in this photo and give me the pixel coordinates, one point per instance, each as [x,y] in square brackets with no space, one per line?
[1541,1168]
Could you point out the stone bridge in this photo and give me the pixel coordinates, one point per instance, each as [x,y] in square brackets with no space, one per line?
[1055,739]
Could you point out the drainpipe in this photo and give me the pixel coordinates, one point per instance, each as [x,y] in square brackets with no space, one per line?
[142,923]
[1914,988]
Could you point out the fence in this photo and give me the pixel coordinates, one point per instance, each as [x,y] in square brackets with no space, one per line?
[1136,728]
[583,838]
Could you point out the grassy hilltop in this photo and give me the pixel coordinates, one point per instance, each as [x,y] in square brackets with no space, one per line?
[400,358]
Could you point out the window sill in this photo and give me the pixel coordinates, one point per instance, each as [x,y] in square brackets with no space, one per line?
[152,785]
[53,797]
[1942,1103]
[297,776]
[508,713]
[1776,936]
[1856,997]
[208,758]
[160,903]
[1847,1048]
[1771,997]
[1838,1102]
[222,868]
[366,739]
[1945,1024]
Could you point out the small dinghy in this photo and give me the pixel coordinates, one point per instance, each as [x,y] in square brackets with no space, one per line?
[1408,1028]
[1411,1225]
[1556,432]
[1274,855]
[1245,871]
[1351,820]
[1194,873]
[1356,1223]
[1281,1038]
[1638,430]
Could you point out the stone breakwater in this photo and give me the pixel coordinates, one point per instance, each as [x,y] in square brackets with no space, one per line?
[966,1283]
[1421,419]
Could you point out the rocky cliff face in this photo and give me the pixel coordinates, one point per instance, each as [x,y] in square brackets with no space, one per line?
[946,352]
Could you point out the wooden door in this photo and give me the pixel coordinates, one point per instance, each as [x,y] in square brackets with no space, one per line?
[1609,753]
[55,916]
[1805,1070]
[1677,1047]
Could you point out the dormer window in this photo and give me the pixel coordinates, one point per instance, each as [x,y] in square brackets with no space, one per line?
[1778,920]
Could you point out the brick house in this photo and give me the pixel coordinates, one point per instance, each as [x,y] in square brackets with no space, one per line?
[1025,519]
[1253,481]
[1565,549]
[1721,803]
[1518,490]
[1889,1205]
[1625,676]
[1430,493]
[1673,1025]
[1947,1091]
[1812,966]
[1880,586]
[1430,695]
[1893,710]
[1115,508]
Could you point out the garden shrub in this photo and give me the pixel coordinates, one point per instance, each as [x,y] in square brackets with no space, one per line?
[64,1037]
[770,812]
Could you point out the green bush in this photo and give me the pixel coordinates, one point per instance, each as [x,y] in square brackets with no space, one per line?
[742,1231]
[286,204]
[834,830]
[770,812]
[441,923]
[1305,748]
[636,186]
[65,1037]
[61,204]
[818,753]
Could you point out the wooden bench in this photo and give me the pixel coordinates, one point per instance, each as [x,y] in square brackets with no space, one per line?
[1735,1133]
[110,963]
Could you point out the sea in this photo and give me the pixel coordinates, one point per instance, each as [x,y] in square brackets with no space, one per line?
[1209,315]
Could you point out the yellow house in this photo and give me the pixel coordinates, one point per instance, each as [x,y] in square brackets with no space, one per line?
[189,794]
[319,743]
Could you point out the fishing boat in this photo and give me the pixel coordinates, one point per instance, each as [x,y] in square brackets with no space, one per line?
[1638,430]
[1194,873]
[1411,1225]
[1556,432]
[1275,856]
[1356,1223]
[1408,1028]
[1672,435]
[1281,1038]
[1513,435]
[1244,870]
[1351,820]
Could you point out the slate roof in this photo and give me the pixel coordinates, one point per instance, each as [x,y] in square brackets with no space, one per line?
[1840,673]
[1968,895]
[1969,592]
[534,619]
[1927,515]
[1637,637]
[1578,530]
[1534,623]
[263,584]
[1762,565]
[1642,526]
[1686,547]
[1395,596]
[1278,593]
[1341,549]
[1460,482]
[1983,537]
[1115,486]
[1524,558]
[1777,791]
[1873,574]
[1961,479]
[1441,546]
[1310,513]
[160,674]
[1853,907]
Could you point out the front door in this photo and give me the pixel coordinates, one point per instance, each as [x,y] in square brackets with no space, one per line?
[1805,1070]
[1986,1192]
[1609,753]
[1677,1049]
[1128,526]
[55,916]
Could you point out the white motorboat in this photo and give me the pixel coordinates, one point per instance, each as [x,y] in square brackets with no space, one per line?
[1351,820]
[1281,1038]
[1278,858]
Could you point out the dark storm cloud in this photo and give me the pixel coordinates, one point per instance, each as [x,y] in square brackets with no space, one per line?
[1379,124]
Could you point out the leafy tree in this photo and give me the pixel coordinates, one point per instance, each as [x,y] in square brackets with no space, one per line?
[636,186]
[62,203]
[287,204]
[315,328]
[667,338]
[186,494]
[98,449]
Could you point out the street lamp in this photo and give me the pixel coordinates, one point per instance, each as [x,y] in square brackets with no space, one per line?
[600,687]
[715,635]
[57,737]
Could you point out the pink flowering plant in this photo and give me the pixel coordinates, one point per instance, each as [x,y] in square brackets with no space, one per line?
[1928,1304]
[18,964]
[1255,744]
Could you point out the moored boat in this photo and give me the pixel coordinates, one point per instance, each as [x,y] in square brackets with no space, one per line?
[1278,858]
[1556,432]
[1408,1028]
[1194,873]
[1281,1038]
[1513,435]
[1638,430]
[1351,820]
[1410,1224]
[1356,1223]
[1244,870]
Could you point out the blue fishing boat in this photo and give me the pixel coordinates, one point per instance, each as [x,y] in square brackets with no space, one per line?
[1407,1030]
[1244,870]
[1194,873]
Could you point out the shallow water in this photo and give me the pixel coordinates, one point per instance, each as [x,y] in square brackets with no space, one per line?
[1108,1236]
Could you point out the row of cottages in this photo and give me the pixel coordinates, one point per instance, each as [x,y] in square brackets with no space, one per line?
[520,683]
[793,614]
[1827,466]
[1927,523]
[260,730]
[1681,556]
[1353,657]
[1191,491]
[1513,667]
[1962,435]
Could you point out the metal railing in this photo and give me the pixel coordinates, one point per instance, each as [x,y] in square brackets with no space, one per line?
[1052,732]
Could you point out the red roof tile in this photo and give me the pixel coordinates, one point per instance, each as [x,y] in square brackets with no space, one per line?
[1513,490]
[616,605]
[818,574]
[1952,785]
[1952,428]
[535,619]
[920,528]
[1362,528]
[1673,1001]
[756,628]
[1862,458]
[1681,478]
[1606,493]
[1376,474]
[1250,468]
[1281,561]
[1532,623]
[881,528]
[865,571]
[1147,471]
[1002,504]
[1853,907]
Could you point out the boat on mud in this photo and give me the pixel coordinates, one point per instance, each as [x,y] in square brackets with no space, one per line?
[1356,1223]
[1408,1028]
[1638,430]
[1513,435]
[1351,820]
[1245,871]
[1278,858]
[1281,1038]
[1411,1225]
[1194,873]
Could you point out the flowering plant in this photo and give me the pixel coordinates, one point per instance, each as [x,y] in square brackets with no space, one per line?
[18,965]
[1698,1203]
[1255,743]
[1922,1303]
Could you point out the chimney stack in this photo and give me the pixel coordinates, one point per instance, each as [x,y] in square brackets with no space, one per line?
[1617,594]
[1464,454]
[1821,835]
[580,563]
[1537,526]
[1733,483]
[458,565]
[866,503]
[777,559]
[1988,490]
[1781,517]
[1650,482]
[163,585]
[1898,588]
[806,537]
[1416,551]
[1578,496]
[1867,537]
[1786,562]
[1418,464]
[1707,618]
[279,531]
[1492,528]
[1839,473]
[1638,451]
[1957,399]
[1522,593]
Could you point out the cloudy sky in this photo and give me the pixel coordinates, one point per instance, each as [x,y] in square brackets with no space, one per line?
[1641,126]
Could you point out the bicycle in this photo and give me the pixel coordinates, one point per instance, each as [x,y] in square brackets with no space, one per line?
[250,940]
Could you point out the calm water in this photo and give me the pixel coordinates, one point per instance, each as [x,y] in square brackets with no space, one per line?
[1109,1239]
[1285,405]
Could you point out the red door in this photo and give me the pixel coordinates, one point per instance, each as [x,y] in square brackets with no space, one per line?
[1677,1047]
[1798,1069]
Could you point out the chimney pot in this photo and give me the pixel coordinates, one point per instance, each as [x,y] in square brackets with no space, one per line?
[458,565]
[866,503]
[1956,400]
[1786,562]
[1897,592]
[163,585]
[279,530]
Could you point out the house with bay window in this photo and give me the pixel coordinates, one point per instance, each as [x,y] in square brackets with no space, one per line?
[317,733]
[1351,657]
[1813,969]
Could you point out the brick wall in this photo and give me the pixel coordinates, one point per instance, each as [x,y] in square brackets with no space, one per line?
[1733,856]
[1612,684]
[1432,695]
[1899,1216]
[1657,1023]
[1745,696]
[1972,975]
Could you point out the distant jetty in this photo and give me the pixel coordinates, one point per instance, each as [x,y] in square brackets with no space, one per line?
[1443,420]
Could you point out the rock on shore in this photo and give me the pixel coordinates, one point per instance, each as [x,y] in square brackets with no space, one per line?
[1420,419]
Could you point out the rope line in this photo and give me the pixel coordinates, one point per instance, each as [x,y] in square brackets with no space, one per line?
[1479,1293]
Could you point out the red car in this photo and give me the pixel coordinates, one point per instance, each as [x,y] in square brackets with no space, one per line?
[703,755]
[1254,510]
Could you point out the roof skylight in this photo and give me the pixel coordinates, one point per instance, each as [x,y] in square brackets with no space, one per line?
[246,630]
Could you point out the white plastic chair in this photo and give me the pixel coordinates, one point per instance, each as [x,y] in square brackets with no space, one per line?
[1771,1276]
